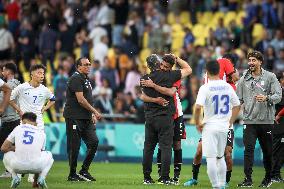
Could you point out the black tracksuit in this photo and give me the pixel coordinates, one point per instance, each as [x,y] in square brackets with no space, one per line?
[79,123]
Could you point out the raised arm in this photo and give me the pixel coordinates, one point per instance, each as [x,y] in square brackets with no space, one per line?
[185,68]
[163,90]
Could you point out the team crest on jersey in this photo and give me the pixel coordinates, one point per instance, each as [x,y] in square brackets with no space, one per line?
[88,84]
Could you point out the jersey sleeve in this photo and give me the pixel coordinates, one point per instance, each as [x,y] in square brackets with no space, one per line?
[76,85]
[1,82]
[11,136]
[240,89]
[229,68]
[15,92]
[201,96]
[281,113]
[49,95]
[175,75]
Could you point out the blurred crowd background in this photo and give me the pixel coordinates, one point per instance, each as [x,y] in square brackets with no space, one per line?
[118,35]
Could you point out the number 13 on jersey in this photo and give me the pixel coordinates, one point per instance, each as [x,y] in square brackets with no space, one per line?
[221,104]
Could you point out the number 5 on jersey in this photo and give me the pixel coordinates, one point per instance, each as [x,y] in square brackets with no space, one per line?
[28,137]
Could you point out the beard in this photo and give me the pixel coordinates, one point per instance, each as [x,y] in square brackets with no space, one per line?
[252,68]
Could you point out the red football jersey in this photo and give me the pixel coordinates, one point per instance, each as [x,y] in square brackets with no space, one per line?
[226,69]
[177,100]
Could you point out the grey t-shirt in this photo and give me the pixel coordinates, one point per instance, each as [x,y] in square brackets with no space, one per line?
[10,114]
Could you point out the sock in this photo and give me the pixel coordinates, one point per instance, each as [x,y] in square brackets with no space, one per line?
[195,170]
[228,176]
[221,170]
[159,161]
[212,171]
[177,162]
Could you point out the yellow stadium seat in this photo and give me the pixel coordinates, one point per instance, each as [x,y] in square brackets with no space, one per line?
[91,52]
[188,25]
[110,52]
[144,53]
[77,52]
[26,76]
[177,40]
[48,78]
[184,17]
[145,41]
[56,61]
[198,30]
[231,15]
[241,15]
[257,32]
[216,17]
[171,18]
[177,28]
[200,41]
[206,31]
[199,16]
[22,67]
[206,18]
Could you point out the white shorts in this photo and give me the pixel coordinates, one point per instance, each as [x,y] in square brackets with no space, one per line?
[213,143]
[14,164]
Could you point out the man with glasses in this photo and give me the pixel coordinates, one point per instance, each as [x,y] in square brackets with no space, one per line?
[258,91]
[80,117]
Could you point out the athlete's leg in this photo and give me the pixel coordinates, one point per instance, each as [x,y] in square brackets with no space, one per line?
[177,158]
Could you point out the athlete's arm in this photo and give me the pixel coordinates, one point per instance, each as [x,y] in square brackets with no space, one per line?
[6,97]
[163,90]
[7,146]
[185,68]
[235,113]
[83,102]
[16,107]
[48,105]
[199,126]
[159,100]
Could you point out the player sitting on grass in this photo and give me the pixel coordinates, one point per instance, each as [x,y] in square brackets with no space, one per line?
[24,151]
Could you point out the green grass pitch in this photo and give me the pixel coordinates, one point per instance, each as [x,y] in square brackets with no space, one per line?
[128,176]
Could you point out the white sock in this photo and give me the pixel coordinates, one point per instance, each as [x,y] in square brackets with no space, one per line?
[212,171]
[222,170]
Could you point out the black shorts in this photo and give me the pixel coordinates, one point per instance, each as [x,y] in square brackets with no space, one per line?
[230,138]
[179,129]
[6,128]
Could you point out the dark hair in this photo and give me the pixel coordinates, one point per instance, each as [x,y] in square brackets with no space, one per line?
[169,59]
[37,67]
[213,67]
[79,61]
[11,66]
[232,57]
[153,62]
[29,116]
[256,54]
